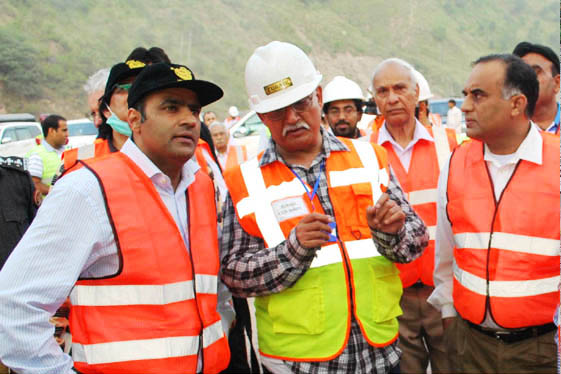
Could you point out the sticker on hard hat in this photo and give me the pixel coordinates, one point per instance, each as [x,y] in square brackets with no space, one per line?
[278,86]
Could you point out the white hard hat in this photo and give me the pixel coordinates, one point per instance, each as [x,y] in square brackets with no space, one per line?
[341,88]
[424,89]
[233,111]
[277,75]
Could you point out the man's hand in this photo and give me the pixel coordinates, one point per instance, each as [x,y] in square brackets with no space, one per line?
[313,230]
[385,216]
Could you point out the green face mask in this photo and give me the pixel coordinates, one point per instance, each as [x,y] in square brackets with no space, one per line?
[121,127]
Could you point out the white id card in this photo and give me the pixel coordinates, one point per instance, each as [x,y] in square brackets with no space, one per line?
[289,208]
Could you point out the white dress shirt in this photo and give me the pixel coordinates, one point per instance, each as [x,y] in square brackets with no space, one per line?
[454,119]
[71,237]
[500,168]
[404,154]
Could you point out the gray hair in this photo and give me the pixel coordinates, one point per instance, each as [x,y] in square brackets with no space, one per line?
[215,124]
[397,61]
[97,81]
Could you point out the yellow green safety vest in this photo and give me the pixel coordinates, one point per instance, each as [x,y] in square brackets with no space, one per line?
[51,162]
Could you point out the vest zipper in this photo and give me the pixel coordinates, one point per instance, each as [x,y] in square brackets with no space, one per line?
[491,232]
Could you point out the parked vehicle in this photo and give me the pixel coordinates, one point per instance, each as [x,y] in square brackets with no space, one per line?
[251,132]
[80,132]
[440,106]
[16,138]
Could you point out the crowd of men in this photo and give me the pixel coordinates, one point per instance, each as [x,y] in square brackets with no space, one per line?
[380,250]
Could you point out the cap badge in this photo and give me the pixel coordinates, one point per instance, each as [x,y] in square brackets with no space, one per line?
[135,64]
[183,73]
[278,86]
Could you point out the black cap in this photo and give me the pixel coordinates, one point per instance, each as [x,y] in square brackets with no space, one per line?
[159,76]
[523,48]
[120,72]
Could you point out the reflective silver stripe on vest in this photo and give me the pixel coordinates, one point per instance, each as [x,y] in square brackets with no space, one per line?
[356,249]
[422,196]
[86,151]
[506,288]
[239,154]
[212,333]
[259,200]
[132,294]
[509,242]
[145,349]
[441,144]
[130,350]
[369,173]
[207,284]
[432,232]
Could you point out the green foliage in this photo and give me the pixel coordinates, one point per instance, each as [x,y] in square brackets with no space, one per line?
[49,48]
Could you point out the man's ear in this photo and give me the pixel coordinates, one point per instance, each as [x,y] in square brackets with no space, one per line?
[518,105]
[134,119]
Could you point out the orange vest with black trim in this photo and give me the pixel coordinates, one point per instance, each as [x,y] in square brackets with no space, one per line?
[310,321]
[236,155]
[507,247]
[158,312]
[420,185]
[99,148]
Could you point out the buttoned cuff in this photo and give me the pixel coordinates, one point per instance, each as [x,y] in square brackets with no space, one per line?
[448,310]
[387,240]
[299,253]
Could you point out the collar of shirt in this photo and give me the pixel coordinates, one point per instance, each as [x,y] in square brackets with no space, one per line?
[154,173]
[329,143]
[420,133]
[555,124]
[50,148]
[529,150]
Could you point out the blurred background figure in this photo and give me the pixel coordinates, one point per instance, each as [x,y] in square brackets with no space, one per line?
[229,155]
[342,106]
[422,111]
[209,117]
[95,87]
[454,117]
[233,117]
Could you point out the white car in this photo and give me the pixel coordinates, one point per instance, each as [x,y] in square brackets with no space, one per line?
[80,132]
[17,138]
[251,132]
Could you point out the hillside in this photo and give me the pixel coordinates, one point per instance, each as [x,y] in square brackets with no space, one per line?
[50,47]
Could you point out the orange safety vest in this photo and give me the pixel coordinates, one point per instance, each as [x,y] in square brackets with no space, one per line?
[236,155]
[266,199]
[199,156]
[376,123]
[99,148]
[435,119]
[507,250]
[420,186]
[159,311]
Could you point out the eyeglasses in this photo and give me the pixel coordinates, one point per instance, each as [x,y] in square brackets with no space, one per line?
[299,107]
[123,86]
[346,111]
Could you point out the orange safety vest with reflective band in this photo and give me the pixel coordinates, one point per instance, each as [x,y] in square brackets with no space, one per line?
[310,321]
[236,155]
[507,251]
[420,186]
[159,311]
[200,158]
[99,148]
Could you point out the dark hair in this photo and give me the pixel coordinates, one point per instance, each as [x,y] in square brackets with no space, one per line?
[51,122]
[519,78]
[523,48]
[417,109]
[452,101]
[358,105]
[149,56]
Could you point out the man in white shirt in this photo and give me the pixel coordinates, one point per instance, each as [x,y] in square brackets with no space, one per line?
[126,240]
[415,153]
[229,155]
[45,158]
[454,117]
[497,238]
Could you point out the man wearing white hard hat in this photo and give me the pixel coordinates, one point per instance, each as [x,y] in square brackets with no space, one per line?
[233,117]
[312,229]
[422,111]
[342,105]
[416,154]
